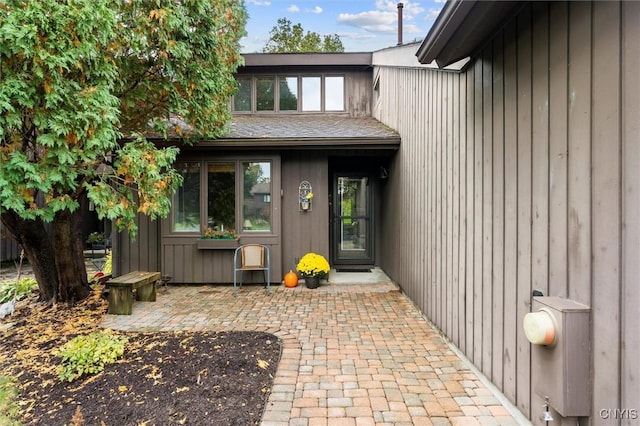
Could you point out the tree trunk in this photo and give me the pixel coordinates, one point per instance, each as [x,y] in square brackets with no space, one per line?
[69,256]
[58,267]
[32,236]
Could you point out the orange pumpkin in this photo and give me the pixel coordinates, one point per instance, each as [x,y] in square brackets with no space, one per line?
[290,279]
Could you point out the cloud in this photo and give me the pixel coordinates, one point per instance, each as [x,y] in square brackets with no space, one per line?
[259,2]
[295,9]
[432,14]
[356,36]
[384,19]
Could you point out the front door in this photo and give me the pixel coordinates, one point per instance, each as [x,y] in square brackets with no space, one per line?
[352,220]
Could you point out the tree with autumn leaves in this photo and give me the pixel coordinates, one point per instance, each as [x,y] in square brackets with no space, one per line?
[82,82]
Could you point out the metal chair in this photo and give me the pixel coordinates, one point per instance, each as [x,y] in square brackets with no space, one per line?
[251,257]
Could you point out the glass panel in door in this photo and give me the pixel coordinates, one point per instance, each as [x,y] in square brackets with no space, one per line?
[352,221]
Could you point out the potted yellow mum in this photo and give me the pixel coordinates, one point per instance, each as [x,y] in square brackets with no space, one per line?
[313,266]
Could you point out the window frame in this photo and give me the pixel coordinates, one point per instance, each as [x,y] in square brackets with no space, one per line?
[238,162]
[300,95]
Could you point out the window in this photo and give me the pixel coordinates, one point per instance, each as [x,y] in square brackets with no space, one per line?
[221,206]
[265,94]
[227,202]
[242,100]
[290,94]
[186,206]
[334,93]
[257,185]
[311,93]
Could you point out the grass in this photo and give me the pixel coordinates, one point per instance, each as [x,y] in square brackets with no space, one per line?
[8,407]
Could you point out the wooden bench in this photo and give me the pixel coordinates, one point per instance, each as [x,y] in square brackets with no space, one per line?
[121,290]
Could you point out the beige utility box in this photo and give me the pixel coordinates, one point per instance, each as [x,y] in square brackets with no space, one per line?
[560,354]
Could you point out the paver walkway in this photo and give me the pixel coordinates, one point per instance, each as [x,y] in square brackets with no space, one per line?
[353,354]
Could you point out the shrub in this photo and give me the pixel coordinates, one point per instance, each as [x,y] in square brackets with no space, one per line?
[19,289]
[89,354]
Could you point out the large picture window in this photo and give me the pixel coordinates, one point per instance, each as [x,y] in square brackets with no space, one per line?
[186,205]
[224,195]
[256,196]
[221,206]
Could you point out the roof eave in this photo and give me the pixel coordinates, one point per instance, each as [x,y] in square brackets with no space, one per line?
[462,28]
[392,143]
[308,59]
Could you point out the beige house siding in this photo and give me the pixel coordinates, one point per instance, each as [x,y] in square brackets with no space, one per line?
[521,173]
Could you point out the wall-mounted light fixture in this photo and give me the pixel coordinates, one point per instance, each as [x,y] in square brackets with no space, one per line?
[305,196]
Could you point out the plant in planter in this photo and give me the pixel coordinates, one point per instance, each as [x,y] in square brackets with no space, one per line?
[96,241]
[95,238]
[218,239]
[219,234]
[312,267]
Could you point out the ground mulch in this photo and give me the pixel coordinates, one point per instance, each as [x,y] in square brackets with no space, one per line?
[164,378]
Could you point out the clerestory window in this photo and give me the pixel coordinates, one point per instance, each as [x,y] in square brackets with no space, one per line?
[290,94]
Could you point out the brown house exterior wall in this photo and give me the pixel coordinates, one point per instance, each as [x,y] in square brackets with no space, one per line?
[522,173]
[303,232]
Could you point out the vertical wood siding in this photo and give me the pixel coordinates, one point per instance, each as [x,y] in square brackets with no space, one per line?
[630,177]
[9,249]
[303,232]
[141,253]
[522,173]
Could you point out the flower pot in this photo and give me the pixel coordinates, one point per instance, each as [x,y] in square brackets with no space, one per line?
[312,282]
[305,204]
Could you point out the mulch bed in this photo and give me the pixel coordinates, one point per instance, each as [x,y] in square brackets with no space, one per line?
[183,378]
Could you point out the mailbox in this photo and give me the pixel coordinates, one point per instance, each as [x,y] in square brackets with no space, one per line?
[560,354]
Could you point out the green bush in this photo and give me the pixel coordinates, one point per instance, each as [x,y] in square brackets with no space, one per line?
[21,289]
[9,409]
[89,354]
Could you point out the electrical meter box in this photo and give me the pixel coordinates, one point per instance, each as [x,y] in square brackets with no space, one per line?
[560,370]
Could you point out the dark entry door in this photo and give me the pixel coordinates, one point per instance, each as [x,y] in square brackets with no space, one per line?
[352,220]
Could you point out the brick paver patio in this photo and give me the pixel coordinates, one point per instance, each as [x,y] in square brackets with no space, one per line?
[353,354]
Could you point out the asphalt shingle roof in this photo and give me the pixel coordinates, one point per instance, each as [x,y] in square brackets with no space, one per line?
[307,127]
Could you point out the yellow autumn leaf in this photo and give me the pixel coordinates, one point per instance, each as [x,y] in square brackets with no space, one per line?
[263,364]
[123,388]
[183,389]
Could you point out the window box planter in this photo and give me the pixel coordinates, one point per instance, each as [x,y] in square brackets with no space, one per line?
[217,244]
